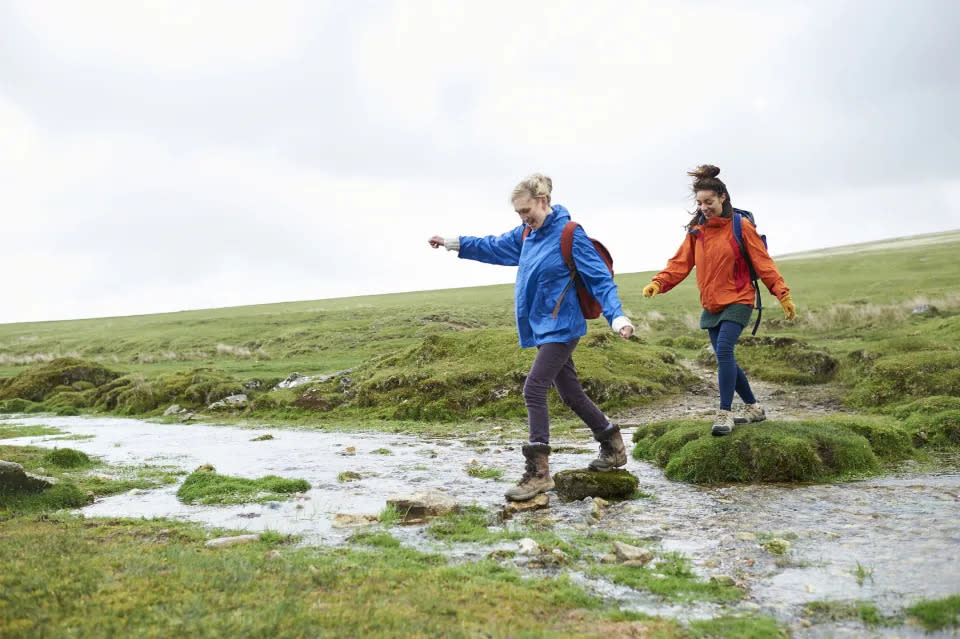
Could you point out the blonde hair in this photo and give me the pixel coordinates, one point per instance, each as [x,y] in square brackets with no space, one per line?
[533,186]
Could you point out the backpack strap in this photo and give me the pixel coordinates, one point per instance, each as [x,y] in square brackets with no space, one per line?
[566,251]
[738,235]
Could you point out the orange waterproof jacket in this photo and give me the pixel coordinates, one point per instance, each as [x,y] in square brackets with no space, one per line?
[723,276]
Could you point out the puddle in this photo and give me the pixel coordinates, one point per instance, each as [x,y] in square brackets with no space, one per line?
[891,540]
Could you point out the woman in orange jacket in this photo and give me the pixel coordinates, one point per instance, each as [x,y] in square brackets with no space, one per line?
[723,278]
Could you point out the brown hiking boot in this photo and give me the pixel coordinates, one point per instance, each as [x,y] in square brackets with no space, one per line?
[537,477]
[612,451]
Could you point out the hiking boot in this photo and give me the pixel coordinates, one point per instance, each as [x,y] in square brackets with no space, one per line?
[537,477]
[753,413]
[723,424]
[612,451]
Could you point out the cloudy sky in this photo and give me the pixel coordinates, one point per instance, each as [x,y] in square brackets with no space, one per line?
[166,155]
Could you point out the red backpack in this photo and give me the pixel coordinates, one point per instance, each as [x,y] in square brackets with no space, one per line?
[589,305]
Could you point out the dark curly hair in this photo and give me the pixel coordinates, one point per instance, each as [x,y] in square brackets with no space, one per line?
[705,179]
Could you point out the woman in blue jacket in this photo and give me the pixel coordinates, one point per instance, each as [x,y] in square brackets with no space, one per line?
[542,276]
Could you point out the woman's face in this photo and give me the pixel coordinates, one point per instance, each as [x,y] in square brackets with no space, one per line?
[532,210]
[710,204]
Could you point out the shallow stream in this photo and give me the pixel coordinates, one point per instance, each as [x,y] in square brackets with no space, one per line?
[891,540]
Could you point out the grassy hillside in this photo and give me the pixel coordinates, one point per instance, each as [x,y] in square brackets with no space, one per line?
[453,353]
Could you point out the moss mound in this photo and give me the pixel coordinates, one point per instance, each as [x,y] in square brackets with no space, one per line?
[831,448]
[881,380]
[779,359]
[196,388]
[64,494]
[37,382]
[67,458]
[207,487]
[926,406]
[577,484]
[459,374]
[18,405]
[935,430]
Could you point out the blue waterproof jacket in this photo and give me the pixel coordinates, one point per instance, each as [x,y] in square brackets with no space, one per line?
[543,275]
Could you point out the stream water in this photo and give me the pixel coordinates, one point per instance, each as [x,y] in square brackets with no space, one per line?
[890,540]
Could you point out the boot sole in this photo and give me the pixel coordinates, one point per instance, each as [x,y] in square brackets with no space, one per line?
[604,469]
[716,432]
[531,495]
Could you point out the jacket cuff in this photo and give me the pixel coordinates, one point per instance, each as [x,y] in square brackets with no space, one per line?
[620,322]
[451,243]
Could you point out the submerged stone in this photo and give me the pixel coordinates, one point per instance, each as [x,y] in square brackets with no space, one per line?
[574,485]
[413,506]
[627,553]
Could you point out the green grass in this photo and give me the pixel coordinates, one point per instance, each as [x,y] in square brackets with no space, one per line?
[483,472]
[452,355]
[138,578]
[12,431]
[671,578]
[207,487]
[937,614]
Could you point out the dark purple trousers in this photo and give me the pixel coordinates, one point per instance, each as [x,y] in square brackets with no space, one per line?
[553,366]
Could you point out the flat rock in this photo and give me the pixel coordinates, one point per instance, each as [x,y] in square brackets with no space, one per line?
[345,520]
[573,485]
[420,505]
[527,546]
[627,553]
[13,479]
[511,508]
[224,542]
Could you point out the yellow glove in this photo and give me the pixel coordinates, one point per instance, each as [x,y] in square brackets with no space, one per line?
[789,308]
[651,289]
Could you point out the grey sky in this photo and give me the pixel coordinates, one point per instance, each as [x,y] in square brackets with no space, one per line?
[172,155]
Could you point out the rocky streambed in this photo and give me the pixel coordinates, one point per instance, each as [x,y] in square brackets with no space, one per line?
[890,541]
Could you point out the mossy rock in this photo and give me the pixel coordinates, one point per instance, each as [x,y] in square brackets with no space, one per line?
[572,485]
[901,377]
[779,359]
[935,430]
[136,394]
[831,448]
[37,382]
[888,438]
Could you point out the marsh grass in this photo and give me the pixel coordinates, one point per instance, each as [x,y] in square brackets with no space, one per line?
[475,469]
[205,487]
[937,614]
[77,484]
[863,611]
[14,430]
[815,450]
[670,577]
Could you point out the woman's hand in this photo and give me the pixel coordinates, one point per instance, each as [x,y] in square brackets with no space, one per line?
[436,241]
[626,331]
[651,289]
[789,308]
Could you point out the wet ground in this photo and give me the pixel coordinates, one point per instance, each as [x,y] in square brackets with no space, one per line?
[890,541]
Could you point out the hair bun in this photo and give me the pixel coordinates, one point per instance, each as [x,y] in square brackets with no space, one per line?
[704,171]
